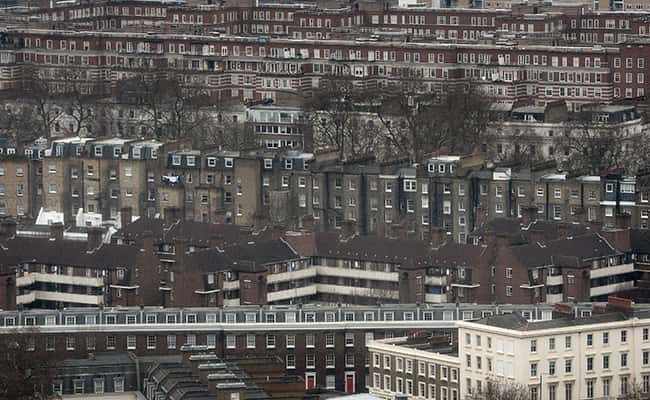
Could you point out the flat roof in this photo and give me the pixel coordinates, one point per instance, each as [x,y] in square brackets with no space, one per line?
[113,141]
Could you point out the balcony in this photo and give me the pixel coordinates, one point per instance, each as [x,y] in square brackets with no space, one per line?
[554,298]
[230,285]
[358,291]
[230,302]
[291,276]
[32,277]
[319,270]
[435,280]
[26,298]
[642,266]
[613,270]
[354,273]
[435,298]
[292,293]
[611,289]
[554,280]
[464,283]
[34,295]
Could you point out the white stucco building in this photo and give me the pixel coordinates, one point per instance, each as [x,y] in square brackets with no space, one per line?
[597,357]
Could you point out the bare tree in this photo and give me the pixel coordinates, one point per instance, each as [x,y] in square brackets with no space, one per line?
[500,390]
[521,146]
[25,374]
[591,146]
[418,121]
[81,96]
[406,112]
[634,391]
[462,116]
[37,91]
[18,121]
[225,132]
[170,108]
[336,112]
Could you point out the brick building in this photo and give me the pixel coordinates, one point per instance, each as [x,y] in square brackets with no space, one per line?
[186,264]
[310,43]
[323,345]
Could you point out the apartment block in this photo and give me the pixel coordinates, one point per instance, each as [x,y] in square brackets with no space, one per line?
[599,356]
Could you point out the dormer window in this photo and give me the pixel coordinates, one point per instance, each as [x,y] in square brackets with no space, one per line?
[99,151]
[212,162]
[268,163]
[288,164]
[228,162]
[441,168]
[410,185]
[176,160]
[432,167]
[191,161]
[627,188]
[117,151]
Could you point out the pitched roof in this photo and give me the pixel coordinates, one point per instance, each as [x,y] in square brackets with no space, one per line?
[457,255]
[551,230]
[516,322]
[199,234]
[503,227]
[205,234]
[262,252]
[571,251]
[137,228]
[640,241]
[67,252]
[208,260]
[409,253]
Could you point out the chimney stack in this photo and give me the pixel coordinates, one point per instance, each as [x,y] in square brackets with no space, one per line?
[180,249]
[623,220]
[438,236]
[126,216]
[399,231]
[308,223]
[172,214]
[8,228]
[95,238]
[56,231]
[528,214]
[147,241]
[348,230]
[563,310]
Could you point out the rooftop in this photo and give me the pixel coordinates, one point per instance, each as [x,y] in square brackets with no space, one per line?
[516,322]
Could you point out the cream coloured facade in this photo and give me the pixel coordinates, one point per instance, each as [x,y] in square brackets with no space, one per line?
[596,357]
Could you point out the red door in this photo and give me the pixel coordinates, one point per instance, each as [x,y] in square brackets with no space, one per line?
[349,384]
[311,381]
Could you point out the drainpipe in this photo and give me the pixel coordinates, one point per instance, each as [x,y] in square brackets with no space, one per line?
[135,359]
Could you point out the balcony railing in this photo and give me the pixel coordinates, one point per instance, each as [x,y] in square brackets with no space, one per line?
[88,299]
[33,277]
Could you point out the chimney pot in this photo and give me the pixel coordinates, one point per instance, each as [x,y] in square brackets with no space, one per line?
[56,231]
[126,216]
[95,238]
